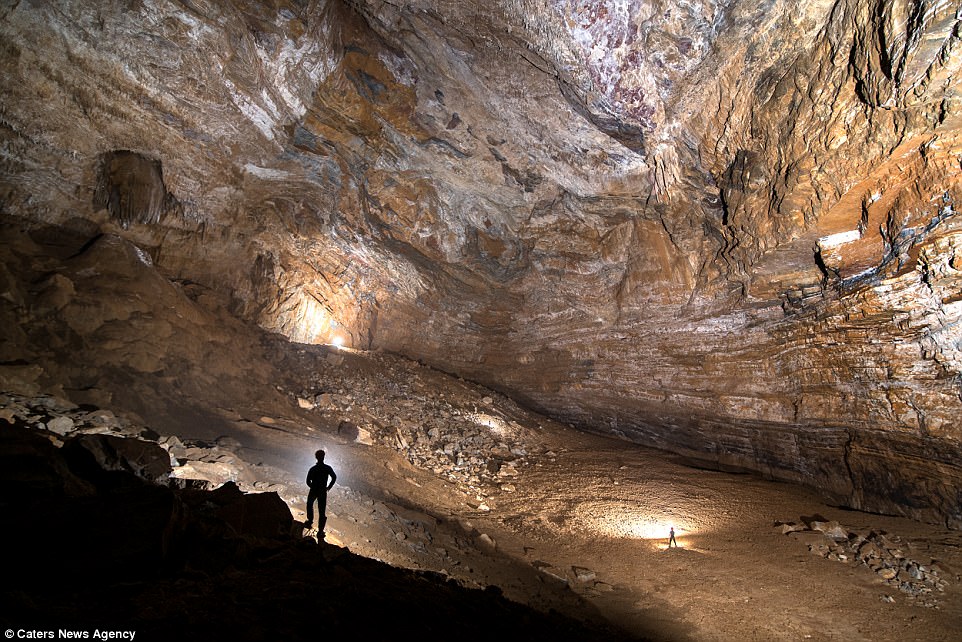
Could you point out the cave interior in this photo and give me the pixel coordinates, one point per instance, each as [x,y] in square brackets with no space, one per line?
[450,241]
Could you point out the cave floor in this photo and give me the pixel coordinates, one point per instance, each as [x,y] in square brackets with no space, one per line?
[583,528]
[734,575]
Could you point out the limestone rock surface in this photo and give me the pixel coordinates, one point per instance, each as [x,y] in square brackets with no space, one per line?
[728,229]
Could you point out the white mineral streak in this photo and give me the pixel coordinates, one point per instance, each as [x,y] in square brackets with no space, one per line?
[298,67]
[254,112]
[834,240]
[198,29]
[142,256]
[266,172]
[401,69]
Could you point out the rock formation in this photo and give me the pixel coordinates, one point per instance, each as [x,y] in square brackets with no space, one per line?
[727,229]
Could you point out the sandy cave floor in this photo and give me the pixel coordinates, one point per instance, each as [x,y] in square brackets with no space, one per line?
[584,529]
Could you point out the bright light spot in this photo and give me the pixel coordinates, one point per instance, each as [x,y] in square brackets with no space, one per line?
[618,519]
[313,322]
[652,528]
[496,424]
[331,457]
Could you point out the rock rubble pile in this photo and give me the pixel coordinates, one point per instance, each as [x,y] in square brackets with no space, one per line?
[118,443]
[886,554]
[63,417]
[459,435]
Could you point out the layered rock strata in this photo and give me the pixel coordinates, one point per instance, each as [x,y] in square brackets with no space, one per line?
[726,229]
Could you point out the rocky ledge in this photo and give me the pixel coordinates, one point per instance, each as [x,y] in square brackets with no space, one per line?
[111,541]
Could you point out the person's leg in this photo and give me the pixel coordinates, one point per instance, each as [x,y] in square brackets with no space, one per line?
[311,496]
[321,511]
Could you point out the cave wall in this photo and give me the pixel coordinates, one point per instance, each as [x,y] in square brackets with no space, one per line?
[727,229]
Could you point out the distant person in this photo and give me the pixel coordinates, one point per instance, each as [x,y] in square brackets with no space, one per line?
[317,481]
[671,537]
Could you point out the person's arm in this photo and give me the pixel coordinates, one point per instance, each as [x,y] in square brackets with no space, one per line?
[333,479]
[309,475]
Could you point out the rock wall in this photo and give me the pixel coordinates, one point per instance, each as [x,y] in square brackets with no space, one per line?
[726,229]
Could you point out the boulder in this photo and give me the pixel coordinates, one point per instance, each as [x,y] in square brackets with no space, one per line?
[31,468]
[144,459]
[258,514]
[213,474]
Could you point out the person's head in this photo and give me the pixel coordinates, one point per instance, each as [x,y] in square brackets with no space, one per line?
[320,455]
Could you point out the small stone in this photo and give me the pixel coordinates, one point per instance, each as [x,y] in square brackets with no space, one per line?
[868,551]
[170,442]
[60,425]
[228,442]
[831,529]
[104,418]
[888,573]
[305,403]
[583,574]
[56,404]
[364,437]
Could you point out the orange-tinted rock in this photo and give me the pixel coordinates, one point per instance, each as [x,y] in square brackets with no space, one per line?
[725,229]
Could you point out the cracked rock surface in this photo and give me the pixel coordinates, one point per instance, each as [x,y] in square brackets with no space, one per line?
[724,229]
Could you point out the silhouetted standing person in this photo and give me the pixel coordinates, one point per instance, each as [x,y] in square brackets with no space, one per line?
[317,481]
[671,537]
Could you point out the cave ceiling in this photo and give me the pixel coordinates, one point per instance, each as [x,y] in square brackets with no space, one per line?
[727,229]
